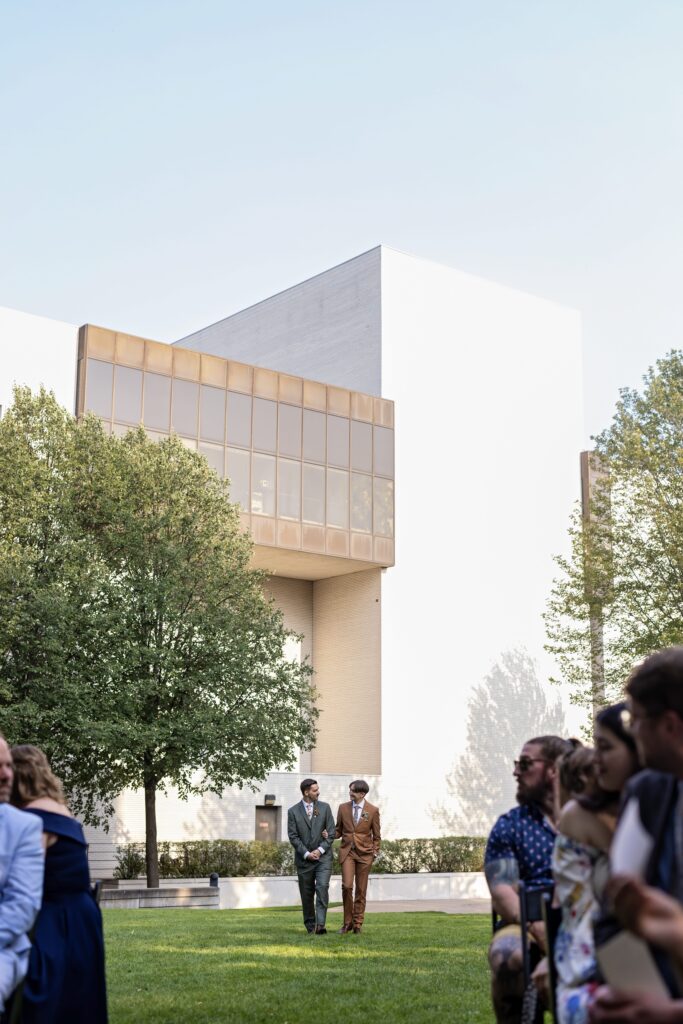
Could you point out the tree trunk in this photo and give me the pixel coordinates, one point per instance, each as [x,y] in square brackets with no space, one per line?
[151,850]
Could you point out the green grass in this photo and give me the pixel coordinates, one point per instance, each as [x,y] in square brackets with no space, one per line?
[258,966]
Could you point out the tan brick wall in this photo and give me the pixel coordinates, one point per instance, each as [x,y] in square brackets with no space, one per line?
[295,599]
[347,662]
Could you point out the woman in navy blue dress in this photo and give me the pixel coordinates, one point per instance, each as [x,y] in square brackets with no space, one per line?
[65,982]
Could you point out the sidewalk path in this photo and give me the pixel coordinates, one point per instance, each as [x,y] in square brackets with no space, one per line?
[469,906]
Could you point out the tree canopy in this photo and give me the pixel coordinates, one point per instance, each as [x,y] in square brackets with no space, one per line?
[137,646]
[625,570]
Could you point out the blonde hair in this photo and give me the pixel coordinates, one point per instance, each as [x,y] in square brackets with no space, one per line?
[33,777]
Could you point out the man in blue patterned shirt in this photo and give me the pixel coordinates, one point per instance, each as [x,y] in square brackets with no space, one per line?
[520,848]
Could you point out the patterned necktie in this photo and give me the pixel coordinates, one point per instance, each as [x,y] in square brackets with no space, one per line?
[309,810]
[356,813]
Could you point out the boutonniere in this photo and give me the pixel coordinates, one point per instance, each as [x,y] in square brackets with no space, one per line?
[315,812]
[365,815]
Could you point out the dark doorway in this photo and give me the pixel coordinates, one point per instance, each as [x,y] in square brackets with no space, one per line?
[268,820]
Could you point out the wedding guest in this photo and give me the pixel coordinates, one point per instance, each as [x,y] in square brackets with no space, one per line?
[21,881]
[655,696]
[65,983]
[580,862]
[519,848]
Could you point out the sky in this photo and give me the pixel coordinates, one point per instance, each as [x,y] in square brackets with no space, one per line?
[165,164]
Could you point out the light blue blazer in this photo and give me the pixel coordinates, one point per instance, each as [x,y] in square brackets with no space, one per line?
[22,862]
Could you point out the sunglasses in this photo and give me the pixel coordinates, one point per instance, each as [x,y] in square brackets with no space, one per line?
[525,763]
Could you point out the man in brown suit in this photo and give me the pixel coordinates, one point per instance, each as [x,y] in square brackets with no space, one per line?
[359,830]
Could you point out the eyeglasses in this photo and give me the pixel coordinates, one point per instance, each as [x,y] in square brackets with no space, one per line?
[630,720]
[525,763]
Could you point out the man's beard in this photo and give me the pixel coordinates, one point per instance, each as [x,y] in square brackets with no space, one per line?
[527,795]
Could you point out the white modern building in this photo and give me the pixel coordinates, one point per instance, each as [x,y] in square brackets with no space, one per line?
[481,386]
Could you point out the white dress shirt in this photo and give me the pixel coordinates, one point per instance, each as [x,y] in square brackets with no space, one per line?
[310,818]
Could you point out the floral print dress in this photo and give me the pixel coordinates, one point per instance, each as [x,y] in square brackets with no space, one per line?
[581,873]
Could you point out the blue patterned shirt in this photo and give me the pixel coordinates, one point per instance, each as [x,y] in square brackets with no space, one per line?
[526,835]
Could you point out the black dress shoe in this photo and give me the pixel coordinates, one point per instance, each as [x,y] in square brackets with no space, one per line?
[320,929]
[357,931]
[310,931]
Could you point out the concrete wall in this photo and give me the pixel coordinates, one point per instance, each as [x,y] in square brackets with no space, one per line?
[327,328]
[35,351]
[283,891]
[488,391]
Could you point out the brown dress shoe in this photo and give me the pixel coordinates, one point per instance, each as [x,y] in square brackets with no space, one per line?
[357,931]
[345,929]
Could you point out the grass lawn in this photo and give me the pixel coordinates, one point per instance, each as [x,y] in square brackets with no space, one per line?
[257,966]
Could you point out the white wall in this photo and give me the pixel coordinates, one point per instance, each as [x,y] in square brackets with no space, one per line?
[35,351]
[327,328]
[487,386]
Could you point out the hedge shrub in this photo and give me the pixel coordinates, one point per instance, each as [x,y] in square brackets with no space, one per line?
[231,858]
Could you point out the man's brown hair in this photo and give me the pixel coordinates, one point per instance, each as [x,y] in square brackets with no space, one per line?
[657,683]
[552,747]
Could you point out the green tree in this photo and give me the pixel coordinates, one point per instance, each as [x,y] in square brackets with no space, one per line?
[181,675]
[625,569]
[54,605]
[507,708]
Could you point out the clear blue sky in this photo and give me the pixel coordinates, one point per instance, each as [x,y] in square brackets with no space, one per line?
[164,164]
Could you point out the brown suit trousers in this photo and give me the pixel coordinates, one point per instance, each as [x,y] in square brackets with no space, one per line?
[360,846]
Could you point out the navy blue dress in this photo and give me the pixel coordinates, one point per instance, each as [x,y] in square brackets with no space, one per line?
[65,982]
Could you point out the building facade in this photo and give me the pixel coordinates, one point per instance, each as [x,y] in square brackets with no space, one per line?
[401,623]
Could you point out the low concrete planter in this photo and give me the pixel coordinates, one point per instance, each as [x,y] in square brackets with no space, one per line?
[186,896]
[255,892]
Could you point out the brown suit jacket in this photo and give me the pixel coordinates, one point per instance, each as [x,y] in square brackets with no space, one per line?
[365,838]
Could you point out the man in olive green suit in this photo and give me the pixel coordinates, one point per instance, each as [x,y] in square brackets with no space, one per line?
[306,822]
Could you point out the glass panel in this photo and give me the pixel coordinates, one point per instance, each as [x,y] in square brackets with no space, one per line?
[314,435]
[157,401]
[289,489]
[338,498]
[384,508]
[361,502]
[127,395]
[212,413]
[265,424]
[384,451]
[263,484]
[314,494]
[289,433]
[337,441]
[98,387]
[239,419]
[237,469]
[361,446]
[213,453]
[185,402]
